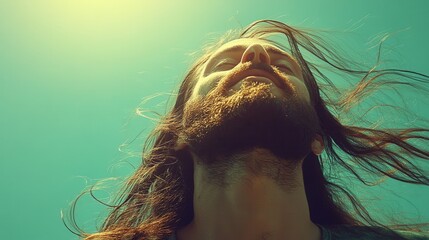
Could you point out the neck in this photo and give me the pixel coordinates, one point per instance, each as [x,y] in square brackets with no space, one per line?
[250,207]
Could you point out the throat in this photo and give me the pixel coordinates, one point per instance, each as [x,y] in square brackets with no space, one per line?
[249,206]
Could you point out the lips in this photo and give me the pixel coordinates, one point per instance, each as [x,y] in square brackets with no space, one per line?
[256,73]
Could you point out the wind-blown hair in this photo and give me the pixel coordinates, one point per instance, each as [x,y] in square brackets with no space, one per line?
[157,199]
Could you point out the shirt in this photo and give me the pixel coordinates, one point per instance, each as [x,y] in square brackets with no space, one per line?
[345,232]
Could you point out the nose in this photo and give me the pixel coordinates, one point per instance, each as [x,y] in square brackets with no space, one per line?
[256,53]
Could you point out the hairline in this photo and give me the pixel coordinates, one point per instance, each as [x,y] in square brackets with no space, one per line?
[270,47]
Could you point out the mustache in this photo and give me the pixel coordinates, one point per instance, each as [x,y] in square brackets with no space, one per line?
[246,69]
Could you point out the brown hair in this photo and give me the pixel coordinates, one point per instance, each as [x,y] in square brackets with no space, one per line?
[157,199]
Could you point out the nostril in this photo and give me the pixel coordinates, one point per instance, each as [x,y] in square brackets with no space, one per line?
[249,57]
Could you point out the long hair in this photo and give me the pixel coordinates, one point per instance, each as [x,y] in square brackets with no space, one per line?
[157,199]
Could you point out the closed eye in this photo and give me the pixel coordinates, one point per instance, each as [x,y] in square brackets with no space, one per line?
[224,65]
[284,68]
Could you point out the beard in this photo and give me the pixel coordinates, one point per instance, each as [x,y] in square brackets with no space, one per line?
[217,127]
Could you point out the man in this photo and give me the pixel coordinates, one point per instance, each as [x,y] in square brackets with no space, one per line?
[240,154]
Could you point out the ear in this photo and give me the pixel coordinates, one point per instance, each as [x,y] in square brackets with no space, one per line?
[180,143]
[317,145]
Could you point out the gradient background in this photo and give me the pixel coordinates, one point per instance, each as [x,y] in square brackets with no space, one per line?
[72,74]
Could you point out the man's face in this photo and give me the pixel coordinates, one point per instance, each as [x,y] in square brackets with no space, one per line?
[233,55]
[250,94]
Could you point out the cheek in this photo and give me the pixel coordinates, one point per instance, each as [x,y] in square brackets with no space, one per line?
[301,89]
[206,84]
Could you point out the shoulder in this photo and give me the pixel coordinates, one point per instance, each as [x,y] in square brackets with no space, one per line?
[171,237]
[343,232]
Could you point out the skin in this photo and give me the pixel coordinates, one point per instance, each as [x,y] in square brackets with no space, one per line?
[244,50]
[252,206]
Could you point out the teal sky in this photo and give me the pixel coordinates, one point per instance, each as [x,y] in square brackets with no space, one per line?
[73,72]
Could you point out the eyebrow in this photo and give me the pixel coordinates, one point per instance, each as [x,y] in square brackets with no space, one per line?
[269,49]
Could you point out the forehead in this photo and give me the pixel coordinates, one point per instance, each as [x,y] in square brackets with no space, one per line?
[239,45]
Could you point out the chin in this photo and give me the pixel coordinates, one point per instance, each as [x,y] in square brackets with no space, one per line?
[252,117]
